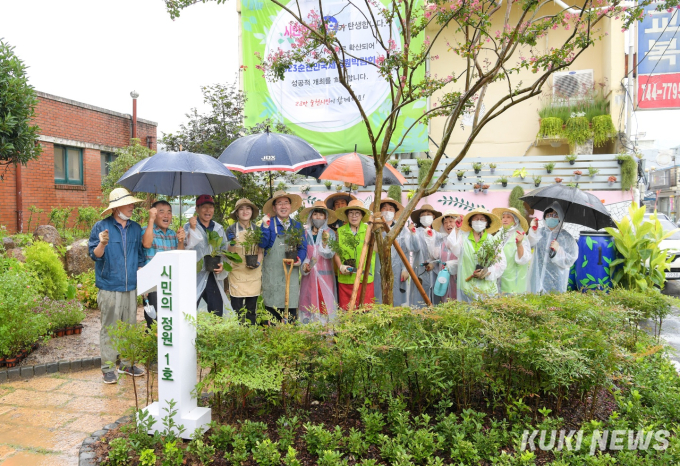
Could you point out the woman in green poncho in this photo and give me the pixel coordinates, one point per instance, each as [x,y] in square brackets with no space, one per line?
[517,251]
[477,228]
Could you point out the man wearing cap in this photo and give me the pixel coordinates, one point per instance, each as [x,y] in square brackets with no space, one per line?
[156,237]
[389,208]
[209,285]
[115,246]
[275,224]
[424,243]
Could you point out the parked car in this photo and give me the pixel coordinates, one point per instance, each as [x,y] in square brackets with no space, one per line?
[670,244]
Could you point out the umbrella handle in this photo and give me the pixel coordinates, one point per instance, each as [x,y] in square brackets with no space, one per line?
[552,253]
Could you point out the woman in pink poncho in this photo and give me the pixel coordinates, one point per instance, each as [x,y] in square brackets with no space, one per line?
[444,225]
[318,300]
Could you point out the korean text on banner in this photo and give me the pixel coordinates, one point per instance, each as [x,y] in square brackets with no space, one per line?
[311,100]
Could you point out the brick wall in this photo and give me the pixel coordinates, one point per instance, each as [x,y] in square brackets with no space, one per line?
[67,123]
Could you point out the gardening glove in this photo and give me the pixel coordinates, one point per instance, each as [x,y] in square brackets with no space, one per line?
[344,269]
[104,237]
[404,275]
[519,237]
[412,227]
[265,221]
[459,222]
[325,237]
[555,246]
[192,223]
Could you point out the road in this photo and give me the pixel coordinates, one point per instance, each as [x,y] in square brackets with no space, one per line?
[670,329]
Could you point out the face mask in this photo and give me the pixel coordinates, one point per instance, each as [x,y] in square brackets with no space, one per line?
[389,216]
[122,216]
[479,226]
[427,220]
[552,222]
[318,222]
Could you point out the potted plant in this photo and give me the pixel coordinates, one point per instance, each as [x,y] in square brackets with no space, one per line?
[485,188]
[537,180]
[571,158]
[549,167]
[251,244]
[394,163]
[477,187]
[214,259]
[338,187]
[503,180]
[354,188]
[520,173]
[603,129]
[577,175]
[328,184]
[292,240]
[406,169]
[489,251]
[477,167]
[592,171]
[460,174]
[304,189]
[611,180]
[349,242]
[492,168]
[558,180]
[621,158]
[550,127]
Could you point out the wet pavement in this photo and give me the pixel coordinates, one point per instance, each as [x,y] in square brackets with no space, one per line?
[44,420]
[670,328]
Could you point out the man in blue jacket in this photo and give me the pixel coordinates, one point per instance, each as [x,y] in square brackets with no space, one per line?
[116,247]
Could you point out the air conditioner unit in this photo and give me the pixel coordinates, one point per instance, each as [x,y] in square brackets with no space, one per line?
[572,85]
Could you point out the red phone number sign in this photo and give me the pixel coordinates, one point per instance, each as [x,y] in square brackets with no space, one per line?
[659,91]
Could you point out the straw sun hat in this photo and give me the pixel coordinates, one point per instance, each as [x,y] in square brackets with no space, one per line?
[330,200]
[388,200]
[499,211]
[437,224]
[240,203]
[118,198]
[415,216]
[318,205]
[495,221]
[295,202]
[355,204]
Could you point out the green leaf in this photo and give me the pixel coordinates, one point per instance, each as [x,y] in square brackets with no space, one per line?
[589,242]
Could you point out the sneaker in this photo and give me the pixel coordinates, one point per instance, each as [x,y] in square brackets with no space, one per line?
[133,371]
[110,377]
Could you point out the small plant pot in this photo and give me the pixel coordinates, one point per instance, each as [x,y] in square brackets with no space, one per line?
[492,170]
[620,162]
[78,329]
[328,187]
[251,260]
[504,184]
[19,357]
[69,331]
[558,182]
[11,362]
[572,162]
[477,171]
[484,191]
[291,254]
[537,184]
[59,332]
[577,177]
[549,171]
[460,178]
[610,183]
[2,361]
[35,346]
[350,263]
[211,263]
[477,190]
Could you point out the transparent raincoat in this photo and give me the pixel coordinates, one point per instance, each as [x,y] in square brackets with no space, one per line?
[425,244]
[398,297]
[463,247]
[198,241]
[514,278]
[450,261]
[318,300]
[551,275]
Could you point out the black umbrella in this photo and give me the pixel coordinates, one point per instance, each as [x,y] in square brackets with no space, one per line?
[579,207]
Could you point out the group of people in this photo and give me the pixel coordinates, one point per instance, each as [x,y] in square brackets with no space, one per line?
[305,267]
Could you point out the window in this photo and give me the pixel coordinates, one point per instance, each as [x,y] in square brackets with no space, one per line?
[68,165]
[106,159]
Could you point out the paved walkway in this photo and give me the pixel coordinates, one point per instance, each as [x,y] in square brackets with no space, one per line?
[44,420]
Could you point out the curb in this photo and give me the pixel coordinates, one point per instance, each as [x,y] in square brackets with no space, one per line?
[27,372]
[85,454]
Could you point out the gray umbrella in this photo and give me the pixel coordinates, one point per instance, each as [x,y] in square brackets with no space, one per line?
[179,174]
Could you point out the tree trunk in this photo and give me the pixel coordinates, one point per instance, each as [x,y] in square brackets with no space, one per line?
[386,272]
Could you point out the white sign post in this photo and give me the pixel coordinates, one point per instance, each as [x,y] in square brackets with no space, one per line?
[173,275]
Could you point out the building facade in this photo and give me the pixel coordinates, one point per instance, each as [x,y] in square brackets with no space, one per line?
[77,141]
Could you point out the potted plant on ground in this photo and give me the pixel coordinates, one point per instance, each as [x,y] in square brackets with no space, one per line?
[611,180]
[503,180]
[492,168]
[292,240]
[571,158]
[520,173]
[592,171]
[558,180]
[537,180]
[549,167]
[251,244]
[328,184]
[459,174]
[577,175]
[477,167]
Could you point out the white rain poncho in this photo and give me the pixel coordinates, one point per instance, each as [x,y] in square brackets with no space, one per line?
[514,278]
[318,300]
[461,246]
[424,244]
[398,297]
[548,275]
[198,241]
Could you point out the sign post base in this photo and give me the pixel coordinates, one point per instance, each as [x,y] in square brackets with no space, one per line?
[194,419]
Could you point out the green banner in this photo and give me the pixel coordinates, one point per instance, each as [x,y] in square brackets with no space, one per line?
[311,101]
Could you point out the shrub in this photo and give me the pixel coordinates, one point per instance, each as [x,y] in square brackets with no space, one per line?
[86,290]
[394,192]
[515,201]
[52,280]
[60,314]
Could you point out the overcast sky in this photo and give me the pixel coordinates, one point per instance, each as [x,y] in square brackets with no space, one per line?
[97,51]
